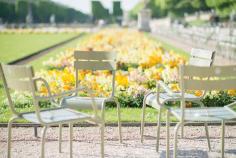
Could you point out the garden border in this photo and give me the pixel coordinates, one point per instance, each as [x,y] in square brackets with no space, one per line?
[37,54]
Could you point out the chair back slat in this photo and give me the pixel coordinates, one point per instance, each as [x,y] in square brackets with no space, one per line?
[19,85]
[201,57]
[210,84]
[95,60]
[202,53]
[18,77]
[200,62]
[16,71]
[214,71]
[94,65]
[208,78]
[94,55]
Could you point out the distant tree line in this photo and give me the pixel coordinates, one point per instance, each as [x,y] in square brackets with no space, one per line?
[41,10]
[100,12]
[177,8]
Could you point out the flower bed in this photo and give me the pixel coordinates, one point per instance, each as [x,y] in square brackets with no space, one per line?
[140,60]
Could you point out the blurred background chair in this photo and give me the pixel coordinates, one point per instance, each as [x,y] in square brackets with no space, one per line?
[157,100]
[94,60]
[22,79]
[207,79]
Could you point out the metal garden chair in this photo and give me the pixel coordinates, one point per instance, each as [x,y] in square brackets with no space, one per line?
[22,79]
[94,60]
[195,78]
[157,100]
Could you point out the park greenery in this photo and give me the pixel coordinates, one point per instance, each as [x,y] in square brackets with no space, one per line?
[33,43]
[42,10]
[100,12]
[136,74]
[177,8]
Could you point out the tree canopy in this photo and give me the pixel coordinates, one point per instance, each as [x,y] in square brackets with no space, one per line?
[177,8]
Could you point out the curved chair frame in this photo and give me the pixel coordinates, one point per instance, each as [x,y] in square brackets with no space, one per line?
[21,78]
[199,57]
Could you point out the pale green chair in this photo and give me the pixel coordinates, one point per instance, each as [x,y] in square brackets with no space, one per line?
[207,79]
[22,79]
[157,100]
[94,60]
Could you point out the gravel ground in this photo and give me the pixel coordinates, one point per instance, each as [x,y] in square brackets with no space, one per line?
[86,143]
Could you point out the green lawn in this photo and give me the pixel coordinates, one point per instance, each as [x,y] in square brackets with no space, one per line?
[15,46]
[38,64]
[127,115]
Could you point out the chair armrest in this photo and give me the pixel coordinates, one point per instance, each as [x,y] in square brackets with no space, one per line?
[165,87]
[59,95]
[64,94]
[231,104]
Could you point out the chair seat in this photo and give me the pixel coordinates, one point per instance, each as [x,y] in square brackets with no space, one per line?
[76,102]
[151,99]
[56,115]
[205,114]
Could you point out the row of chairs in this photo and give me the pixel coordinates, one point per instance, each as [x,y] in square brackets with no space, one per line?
[198,75]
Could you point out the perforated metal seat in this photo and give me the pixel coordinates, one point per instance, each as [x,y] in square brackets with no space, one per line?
[151,99]
[214,114]
[76,102]
[56,115]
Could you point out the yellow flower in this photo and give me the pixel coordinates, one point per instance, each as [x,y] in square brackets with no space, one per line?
[173,63]
[198,93]
[232,92]
[174,87]
[43,90]
[157,76]
[122,80]
[68,77]
[67,87]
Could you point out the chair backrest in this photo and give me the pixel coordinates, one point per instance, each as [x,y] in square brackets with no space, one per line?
[207,78]
[95,60]
[201,57]
[17,77]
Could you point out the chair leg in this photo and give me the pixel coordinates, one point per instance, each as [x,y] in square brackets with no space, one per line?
[102,140]
[119,120]
[158,129]
[35,131]
[175,138]
[43,141]
[182,128]
[167,133]
[71,138]
[60,137]
[143,120]
[207,135]
[222,138]
[9,136]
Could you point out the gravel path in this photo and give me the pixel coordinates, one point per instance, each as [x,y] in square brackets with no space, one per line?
[86,143]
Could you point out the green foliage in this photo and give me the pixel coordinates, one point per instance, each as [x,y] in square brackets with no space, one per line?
[223,7]
[218,100]
[117,11]
[7,11]
[41,12]
[126,100]
[98,11]
[172,8]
